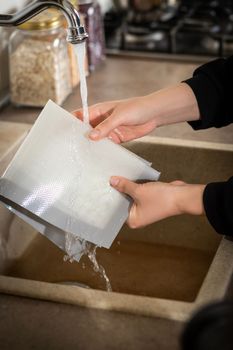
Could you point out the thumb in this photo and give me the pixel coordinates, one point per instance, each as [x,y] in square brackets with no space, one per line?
[123,185]
[104,128]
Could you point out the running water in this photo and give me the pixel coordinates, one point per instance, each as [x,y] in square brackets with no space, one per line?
[91,253]
[80,51]
[82,247]
[89,249]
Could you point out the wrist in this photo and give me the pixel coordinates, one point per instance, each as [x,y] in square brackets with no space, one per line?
[189,199]
[147,107]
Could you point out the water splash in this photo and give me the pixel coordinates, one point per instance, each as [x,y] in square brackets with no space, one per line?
[85,248]
[91,253]
[75,247]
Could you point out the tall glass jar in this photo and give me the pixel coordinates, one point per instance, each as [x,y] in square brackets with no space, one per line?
[91,11]
[4,66]
[39,62]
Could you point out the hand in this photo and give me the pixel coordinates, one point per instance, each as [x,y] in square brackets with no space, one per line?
[121,121]
[154,201]
[129,119]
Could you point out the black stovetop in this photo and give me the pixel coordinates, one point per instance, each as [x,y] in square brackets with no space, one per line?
[192,28]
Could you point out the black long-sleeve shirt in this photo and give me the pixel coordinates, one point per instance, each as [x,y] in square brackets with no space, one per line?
[212,84]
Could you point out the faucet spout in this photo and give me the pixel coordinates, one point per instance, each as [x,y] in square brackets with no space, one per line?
[75,32]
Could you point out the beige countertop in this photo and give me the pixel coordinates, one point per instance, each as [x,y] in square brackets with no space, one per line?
[120,78]
[10,135]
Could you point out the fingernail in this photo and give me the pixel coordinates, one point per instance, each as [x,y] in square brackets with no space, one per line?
[94,134]
[114,181]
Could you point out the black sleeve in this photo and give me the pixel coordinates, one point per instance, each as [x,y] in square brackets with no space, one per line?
[212,84]
[218,204]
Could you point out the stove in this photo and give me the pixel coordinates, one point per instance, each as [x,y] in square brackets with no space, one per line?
[195,28]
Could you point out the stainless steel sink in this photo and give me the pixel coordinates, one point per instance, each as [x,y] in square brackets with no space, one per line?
[166,269]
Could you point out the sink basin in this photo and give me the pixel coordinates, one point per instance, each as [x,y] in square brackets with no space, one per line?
[165,270]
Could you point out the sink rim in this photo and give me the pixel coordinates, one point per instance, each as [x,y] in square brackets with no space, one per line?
[219,273]
[169,141]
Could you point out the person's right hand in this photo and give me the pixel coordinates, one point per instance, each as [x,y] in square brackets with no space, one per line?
[121,121]
[155,201]
[130,119]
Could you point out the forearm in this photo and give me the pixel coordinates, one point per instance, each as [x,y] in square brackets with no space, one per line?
[172,105]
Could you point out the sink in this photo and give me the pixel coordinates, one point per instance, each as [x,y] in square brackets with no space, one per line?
[167,269]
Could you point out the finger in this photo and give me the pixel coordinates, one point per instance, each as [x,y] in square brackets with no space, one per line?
[114,137]
[78,114]
[94,115]
[105,127]
[97,112]
[96,118]
[132,221]
[124,185]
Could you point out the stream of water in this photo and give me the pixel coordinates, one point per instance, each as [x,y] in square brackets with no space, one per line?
[84,247]
[80,51]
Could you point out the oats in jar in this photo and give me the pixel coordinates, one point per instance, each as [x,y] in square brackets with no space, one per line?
[39,64]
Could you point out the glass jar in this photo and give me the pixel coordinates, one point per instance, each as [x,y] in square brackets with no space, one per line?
[4,66]
[39,62]
[91,11]
[74,3]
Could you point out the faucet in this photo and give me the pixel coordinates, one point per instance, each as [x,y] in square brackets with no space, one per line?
[76,32]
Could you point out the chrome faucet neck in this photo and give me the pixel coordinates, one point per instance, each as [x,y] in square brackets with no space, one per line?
[75,33]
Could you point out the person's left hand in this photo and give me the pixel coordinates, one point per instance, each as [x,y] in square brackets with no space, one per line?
[154,201]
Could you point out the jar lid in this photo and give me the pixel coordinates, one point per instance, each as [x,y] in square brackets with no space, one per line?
[48,19]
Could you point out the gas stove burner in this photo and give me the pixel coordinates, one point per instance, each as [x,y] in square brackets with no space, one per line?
[168,15]
[153,37]
[153,18]
[141,18]
[210,44]
[196,25]
[138,30]
[191,27]
[157,41]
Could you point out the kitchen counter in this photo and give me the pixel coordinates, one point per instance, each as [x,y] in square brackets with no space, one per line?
[35,324]
[10,135]
[121,78]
